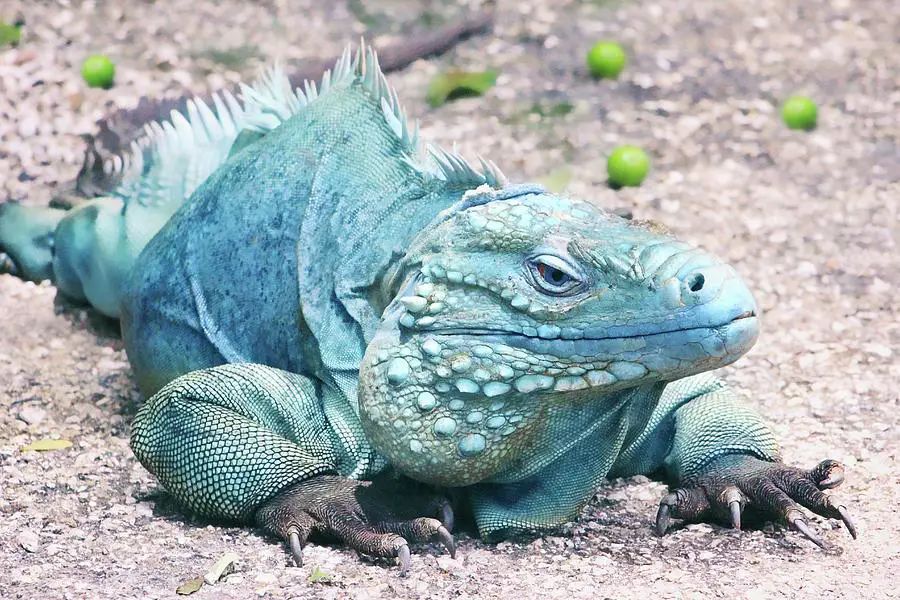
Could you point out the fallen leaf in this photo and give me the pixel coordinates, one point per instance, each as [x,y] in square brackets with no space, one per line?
[190,586]
[44,445]
[318,576]
[456,84]
[557,180]
[223,566]
[10,34]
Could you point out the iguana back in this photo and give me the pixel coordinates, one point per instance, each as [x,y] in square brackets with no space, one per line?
[278,256]
[272,257]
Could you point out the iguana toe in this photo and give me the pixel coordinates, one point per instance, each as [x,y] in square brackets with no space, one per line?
[771,489]
[363,514]
[827,474]
[421,529]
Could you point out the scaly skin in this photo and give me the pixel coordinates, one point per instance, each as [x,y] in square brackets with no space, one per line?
[483,358]
[539,322]
[513,344]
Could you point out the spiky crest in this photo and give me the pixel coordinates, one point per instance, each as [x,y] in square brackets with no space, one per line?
[270,102]
[166,164]
[173,157]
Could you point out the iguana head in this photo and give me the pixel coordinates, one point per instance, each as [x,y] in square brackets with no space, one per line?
[518,304]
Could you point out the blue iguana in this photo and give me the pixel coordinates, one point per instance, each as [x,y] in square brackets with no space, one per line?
[337,331]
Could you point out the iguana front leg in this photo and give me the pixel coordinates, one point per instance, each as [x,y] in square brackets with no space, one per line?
[367,515]
[732,483]
[251,443]
[722,459]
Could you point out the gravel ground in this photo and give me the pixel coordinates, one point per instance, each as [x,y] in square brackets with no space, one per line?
[810,219]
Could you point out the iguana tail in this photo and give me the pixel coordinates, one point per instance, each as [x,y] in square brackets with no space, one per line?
[88,251]
[26,240]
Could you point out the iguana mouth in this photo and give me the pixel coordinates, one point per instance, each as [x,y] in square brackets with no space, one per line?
[503,333]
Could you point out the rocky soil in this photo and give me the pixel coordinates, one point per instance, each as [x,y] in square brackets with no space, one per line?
[810,219]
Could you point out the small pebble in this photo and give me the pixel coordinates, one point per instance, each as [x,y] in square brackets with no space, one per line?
[29,540]
[32,414]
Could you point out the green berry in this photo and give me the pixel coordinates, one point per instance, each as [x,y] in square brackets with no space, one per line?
[606,59]
[627,166]
[799,112]
[98,71]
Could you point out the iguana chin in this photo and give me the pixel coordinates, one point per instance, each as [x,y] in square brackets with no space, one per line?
[322,307]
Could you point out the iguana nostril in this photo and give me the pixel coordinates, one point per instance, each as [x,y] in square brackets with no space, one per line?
[695,282]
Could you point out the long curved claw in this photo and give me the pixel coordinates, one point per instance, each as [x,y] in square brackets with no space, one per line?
[447,517]
[733,498]
[803,528]
[404,558]
[848,523]
[447,540]
[735,507]
[296,548]
[663,514]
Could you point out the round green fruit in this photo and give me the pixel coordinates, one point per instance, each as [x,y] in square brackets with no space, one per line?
[606,60]
[799,112]
[627,166]
[98,71]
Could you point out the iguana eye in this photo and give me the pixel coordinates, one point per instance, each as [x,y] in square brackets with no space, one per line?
[552,275]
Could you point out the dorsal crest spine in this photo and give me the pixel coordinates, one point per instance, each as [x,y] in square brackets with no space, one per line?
[173,157]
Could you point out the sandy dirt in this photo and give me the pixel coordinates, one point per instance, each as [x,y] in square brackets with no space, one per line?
[810,220]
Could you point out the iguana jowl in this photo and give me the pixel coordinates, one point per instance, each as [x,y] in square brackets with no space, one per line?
[321,306]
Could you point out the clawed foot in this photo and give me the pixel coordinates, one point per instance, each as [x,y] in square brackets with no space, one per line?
[375,518]
[774,490]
